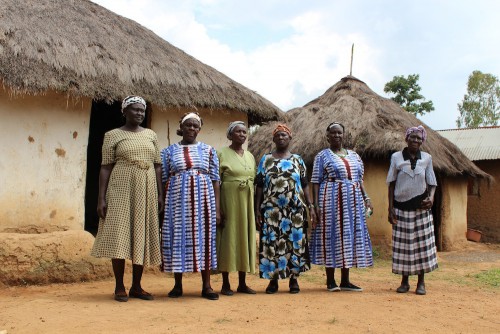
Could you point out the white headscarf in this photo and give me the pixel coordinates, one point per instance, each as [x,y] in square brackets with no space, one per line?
[131,99]
[191,115]
[231,127]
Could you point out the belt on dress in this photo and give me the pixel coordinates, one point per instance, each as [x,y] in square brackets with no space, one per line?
[347,181]
[244,182]
[189,172]
[137,163]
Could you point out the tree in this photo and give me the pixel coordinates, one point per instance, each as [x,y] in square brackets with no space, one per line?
[408,95]
[480,105]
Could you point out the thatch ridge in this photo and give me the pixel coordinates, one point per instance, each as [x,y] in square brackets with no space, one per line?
[374,125]
[80,48]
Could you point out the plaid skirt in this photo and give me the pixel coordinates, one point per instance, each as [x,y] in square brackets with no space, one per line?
[413,243]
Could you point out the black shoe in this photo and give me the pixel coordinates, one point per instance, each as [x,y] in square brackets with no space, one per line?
[205,293]
[420,289]
[140,294]
[121,296]
[350,287]
[294,286]
[272,287]
[226,292]
[176,292]
[247,290]
[403,288]
[332,287]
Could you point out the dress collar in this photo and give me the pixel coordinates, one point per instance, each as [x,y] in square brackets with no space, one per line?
[406,155]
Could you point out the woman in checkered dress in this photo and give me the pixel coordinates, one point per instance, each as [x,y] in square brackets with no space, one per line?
[412,184]
[130,197]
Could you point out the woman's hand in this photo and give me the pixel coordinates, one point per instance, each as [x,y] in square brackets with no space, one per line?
[392,217]
[427,203]
[217,217]
[102,208]
[161,204]
[314,218]
[258,220]
[368,203]
[222,219]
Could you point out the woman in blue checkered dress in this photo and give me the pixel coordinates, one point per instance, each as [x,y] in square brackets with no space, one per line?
[341,238]
[412,184]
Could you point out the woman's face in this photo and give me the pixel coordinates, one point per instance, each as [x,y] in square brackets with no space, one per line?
[281,139]
[335,135]
[134,114]
[414,141]
[239,134]
[190,129]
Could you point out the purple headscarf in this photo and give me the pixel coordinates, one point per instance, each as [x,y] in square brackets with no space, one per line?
[419,128]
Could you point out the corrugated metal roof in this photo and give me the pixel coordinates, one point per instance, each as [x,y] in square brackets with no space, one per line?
[476,143]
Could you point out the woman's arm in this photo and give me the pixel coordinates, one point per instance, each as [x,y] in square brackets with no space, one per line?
[310,204]
[316,204]
[217,200]
[429,200]
[159,185]
[257,203]
[104,174]
[392,214]
[367,199]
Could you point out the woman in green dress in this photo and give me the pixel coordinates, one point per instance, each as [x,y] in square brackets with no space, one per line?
[236,234]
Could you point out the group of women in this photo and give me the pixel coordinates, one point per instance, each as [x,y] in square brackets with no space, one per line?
[213,202]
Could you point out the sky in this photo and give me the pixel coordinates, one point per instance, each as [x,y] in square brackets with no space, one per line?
[292,51]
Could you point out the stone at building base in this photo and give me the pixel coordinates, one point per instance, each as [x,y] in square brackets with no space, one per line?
[57,257]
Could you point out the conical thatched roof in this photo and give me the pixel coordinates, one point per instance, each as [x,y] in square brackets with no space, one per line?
[80,48]
[375,128]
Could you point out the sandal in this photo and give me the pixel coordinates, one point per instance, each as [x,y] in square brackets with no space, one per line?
[247,290]
[272,287]
[121,296]
[176,292]
[210,295]
[140,294]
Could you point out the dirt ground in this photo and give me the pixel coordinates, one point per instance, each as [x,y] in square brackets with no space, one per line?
[462,297]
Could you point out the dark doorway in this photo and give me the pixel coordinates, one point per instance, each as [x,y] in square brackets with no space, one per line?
[436,214]
[103,117]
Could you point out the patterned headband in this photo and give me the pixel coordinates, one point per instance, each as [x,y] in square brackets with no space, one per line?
[132,100]
[420,129]
[284,128]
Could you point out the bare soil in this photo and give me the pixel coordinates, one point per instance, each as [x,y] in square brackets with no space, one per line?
[457,301]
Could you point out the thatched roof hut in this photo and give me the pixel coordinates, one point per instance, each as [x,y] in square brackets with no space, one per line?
[82,49]
[374,125]
[375,128]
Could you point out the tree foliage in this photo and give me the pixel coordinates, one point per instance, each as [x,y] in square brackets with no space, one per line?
[407,94]
[480,105]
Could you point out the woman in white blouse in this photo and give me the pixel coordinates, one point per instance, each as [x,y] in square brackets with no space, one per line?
[412,184]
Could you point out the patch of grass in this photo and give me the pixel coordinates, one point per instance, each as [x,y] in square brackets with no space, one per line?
[489,277]
[332,321]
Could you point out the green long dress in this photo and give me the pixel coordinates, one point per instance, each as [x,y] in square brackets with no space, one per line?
[236,247]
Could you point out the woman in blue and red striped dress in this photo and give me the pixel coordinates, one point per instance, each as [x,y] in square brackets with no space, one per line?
[340,239]
[190,174]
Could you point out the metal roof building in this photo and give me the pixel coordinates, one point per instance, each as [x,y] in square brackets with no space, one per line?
[476,143]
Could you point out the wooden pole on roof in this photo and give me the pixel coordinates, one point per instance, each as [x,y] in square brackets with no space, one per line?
[352,55]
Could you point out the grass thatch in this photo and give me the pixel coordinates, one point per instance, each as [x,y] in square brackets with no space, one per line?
[374,125]
[80,48]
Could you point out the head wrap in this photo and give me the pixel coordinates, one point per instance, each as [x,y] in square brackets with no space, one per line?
[419,128]
[231,127]
[191,115]
[284,128]
[335,123]
[131,99]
